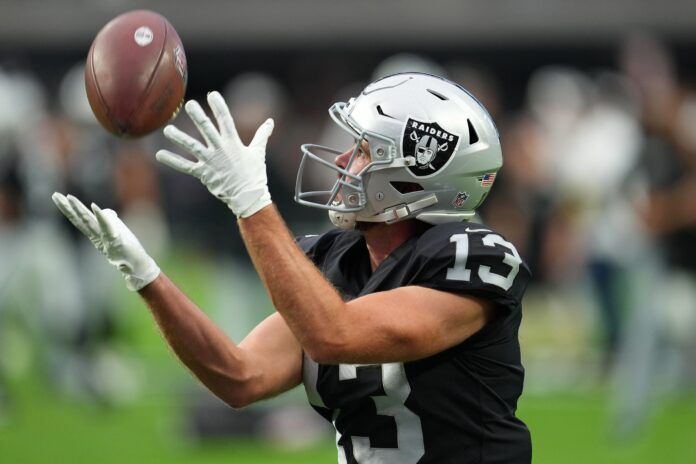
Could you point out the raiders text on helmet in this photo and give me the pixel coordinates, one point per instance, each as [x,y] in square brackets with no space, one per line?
[434,153]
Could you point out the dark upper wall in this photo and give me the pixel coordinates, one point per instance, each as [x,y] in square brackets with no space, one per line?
[375,24]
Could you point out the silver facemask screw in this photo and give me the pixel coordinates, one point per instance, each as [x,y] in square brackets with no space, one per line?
[380,152]
[379,196]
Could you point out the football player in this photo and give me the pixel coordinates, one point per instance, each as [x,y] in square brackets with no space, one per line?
[402,323]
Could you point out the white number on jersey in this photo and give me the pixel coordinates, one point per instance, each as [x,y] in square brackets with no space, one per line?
[460,272]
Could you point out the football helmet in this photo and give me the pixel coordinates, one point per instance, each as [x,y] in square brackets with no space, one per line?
[434,150]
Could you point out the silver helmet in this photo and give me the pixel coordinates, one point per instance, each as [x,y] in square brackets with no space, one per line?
[434,152]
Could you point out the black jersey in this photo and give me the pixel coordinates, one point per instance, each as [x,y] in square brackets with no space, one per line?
[457,406]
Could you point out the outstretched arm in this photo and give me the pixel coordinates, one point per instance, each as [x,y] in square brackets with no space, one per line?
[382,327]
[403,324]
[267,362]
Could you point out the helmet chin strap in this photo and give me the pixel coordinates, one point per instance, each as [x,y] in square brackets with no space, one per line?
[345,220]
[342,220]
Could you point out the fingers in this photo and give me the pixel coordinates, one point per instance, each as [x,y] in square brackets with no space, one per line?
[177,162]
[203,123]
[64,206]
[222,115]
[185,141]
[86,221]
[108,222]
[262,133]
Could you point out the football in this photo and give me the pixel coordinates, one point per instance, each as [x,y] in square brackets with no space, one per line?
[136,74]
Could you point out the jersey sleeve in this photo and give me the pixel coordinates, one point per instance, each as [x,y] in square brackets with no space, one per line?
[315,247]
[470,259]
[307,244]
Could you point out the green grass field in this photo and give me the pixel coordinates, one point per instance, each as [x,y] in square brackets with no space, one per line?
[46,427]
[565,429]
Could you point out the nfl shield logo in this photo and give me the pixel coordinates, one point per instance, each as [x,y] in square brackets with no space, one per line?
[460,199]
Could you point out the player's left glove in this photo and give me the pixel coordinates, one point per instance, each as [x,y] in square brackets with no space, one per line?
[232,171]
[112,238]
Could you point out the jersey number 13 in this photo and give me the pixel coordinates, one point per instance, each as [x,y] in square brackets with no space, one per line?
[510,257]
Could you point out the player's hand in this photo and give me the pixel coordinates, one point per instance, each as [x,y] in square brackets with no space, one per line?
[112,238]
[232,171]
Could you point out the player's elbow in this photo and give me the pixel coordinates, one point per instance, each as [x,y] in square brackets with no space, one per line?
[238,388]
[241,395]
[359,350]
[340,346]
[327,351]
[238,400]
[354,346]
[329,347]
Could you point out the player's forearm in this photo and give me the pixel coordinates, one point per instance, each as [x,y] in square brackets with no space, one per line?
[306,300]
[205,349]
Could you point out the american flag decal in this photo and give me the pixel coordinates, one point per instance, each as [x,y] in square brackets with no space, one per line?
[487,179]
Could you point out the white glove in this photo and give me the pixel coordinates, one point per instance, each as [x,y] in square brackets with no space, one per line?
[112,238]
[233,172]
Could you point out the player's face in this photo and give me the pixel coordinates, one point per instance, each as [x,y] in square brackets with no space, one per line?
[361,160]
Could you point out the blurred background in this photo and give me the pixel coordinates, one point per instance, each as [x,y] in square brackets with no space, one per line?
[596,106]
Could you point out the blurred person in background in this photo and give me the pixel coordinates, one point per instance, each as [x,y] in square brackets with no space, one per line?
[557,103]
[658,350]
[252,96]
[10,218]
[38,290]
[124,176]
[594,137]
[71,317]
[400,384]
[572,153]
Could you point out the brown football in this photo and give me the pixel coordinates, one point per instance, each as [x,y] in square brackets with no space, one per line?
[136,73]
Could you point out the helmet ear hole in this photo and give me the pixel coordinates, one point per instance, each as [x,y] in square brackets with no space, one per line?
[406,187]
[473,136]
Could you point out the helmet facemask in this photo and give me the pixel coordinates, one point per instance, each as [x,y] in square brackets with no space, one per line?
[348,193]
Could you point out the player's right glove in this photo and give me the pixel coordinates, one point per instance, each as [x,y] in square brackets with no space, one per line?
[233,172]
[112,238]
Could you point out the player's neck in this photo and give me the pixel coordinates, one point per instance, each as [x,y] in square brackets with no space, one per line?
[382,239]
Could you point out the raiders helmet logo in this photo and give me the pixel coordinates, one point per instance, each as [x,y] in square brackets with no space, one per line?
[429,144]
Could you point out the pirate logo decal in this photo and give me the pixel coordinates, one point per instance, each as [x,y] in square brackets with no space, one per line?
[429,144]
